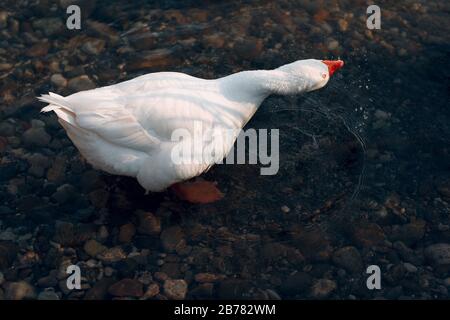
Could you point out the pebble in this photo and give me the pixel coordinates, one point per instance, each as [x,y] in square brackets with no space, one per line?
[152,291]
[21,290]
[94,248]
[409,233]
[175,289]
[48,295]
[439,255]
[7,129]
[149,224]
[313,243]
[127,232]
[143,41]
[160,276]
[58,80]
[207,277]
[99,198]
[348,258]
[410,267]
[99,290]
[38,164]
[343,25]
[154,59]
[7,235]
[171,238]
[248,48]
[126,288]
[47,281]
[232,289]
[108,271]
[81,83]
[36,137]
[368,235]
[3,19]
[50,26]
[322,288]
[64,193]
[332,44]
[112,255]
[38,50]
[56,173]
[8,253]
[93,46]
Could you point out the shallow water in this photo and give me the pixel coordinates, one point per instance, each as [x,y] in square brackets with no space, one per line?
[364,162]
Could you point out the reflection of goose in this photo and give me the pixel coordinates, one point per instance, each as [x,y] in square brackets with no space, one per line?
[126,128]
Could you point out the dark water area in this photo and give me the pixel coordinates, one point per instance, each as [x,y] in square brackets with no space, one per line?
[364,175]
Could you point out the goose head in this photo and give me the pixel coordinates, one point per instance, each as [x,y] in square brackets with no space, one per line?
[310,74]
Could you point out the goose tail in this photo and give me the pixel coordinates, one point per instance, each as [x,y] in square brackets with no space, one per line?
[60,105]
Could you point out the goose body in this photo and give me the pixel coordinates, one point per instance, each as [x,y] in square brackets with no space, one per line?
[126,128]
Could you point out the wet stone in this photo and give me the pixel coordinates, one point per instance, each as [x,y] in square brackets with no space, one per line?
[126,288]
[64,193]
[155,59]
[369,235]
[58,80]
[8,253]
[348,258]
[99,198]
[7,129]
[99,290]
[112,255]
[409,233]
[439,255]
[47,281]
[38,164]
[152,291]
[175,289]
[313,243]
[56,172]
[94,248]
[143,41]
[234,289]
[36,137]
[149,224]
[207,277]
[50,26]
[322,288]
[48,295]
[38,50]
[248,48]
[81,83]
[127,232]
[171,238]
[21,290]
[93,46]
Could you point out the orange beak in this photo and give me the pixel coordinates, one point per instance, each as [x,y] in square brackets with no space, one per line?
[333,65]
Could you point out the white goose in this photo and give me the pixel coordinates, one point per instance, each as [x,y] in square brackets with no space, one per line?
[126,128]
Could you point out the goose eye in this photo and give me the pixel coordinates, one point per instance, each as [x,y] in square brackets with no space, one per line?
[324,75]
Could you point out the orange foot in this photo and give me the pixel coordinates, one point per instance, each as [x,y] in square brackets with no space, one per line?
[197,191]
